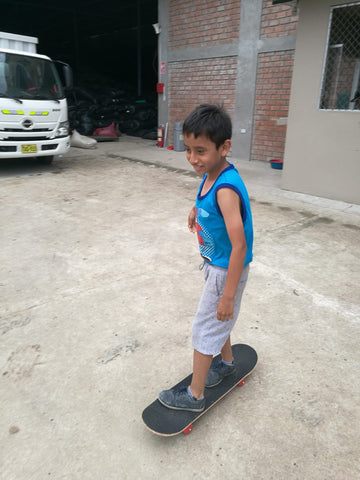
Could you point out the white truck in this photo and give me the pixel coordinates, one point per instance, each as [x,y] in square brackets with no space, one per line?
[33,108]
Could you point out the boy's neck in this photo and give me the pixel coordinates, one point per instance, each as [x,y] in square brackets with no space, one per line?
[213,174]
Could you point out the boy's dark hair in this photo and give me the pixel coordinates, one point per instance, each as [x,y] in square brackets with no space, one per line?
[212,121]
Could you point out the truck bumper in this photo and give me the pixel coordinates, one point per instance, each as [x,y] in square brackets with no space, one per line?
[43,148]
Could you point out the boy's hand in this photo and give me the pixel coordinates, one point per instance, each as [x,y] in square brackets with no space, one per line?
[225,310]
[192,220]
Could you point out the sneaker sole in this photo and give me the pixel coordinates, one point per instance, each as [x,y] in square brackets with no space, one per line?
[214,384]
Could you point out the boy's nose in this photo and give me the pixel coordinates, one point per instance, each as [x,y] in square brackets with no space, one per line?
[192,158]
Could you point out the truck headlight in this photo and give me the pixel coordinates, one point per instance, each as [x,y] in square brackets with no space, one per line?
[63,130]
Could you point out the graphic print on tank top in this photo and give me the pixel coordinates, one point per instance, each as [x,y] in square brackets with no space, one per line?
[206,242]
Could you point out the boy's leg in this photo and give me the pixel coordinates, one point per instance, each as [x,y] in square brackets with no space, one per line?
[226,351]
[220,370]
[179,398]
[201,365]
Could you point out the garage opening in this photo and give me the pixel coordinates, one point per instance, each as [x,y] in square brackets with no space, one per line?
[111,46]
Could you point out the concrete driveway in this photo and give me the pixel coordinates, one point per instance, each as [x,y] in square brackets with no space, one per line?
[99,283]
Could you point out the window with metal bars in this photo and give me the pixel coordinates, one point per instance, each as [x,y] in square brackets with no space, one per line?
[341,77]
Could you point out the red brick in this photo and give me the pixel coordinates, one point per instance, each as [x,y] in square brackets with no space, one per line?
[271,102]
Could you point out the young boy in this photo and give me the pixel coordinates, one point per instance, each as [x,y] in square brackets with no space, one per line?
[222,219]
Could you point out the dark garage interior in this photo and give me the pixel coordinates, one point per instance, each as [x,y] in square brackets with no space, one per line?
[111,46]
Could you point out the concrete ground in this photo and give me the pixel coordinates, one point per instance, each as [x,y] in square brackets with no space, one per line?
[99,284]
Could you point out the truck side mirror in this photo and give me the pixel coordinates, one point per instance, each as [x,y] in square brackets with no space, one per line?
[66,74]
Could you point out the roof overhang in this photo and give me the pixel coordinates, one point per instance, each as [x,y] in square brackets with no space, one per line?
[275,2]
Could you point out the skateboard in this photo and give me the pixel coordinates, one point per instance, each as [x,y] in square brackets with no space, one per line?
[166,422]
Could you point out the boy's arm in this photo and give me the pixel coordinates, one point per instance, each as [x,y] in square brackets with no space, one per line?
[229,203]
[192,220]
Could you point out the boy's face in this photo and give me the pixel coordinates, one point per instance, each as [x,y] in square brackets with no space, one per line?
[203,155]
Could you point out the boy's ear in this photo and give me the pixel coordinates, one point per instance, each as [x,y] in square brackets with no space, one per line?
[225,148]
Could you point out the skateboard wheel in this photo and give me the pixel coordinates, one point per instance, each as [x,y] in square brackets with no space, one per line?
[188,429]
[242,382]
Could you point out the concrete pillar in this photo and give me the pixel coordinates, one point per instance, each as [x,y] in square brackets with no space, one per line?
[250,21]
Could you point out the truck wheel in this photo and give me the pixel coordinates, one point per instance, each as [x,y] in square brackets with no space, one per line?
[46,160]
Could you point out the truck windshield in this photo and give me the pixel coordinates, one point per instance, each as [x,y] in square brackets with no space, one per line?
[26,77]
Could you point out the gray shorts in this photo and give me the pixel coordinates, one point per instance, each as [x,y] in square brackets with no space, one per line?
[210,334]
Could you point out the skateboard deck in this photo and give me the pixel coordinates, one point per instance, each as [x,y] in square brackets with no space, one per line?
[166,422]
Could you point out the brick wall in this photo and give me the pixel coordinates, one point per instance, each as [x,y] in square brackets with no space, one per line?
[201,81]
[198,23]
[274,74]
[278,20]
[273,83]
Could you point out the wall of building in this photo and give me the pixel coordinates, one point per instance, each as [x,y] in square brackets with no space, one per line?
[274,72]
[191,83]
[322,147]
[201,55]
[216,51]
[195,23]
[273,82]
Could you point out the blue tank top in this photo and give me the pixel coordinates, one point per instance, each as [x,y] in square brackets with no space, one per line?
[214,242]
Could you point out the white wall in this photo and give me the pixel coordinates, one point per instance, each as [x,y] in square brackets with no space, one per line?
[322,153]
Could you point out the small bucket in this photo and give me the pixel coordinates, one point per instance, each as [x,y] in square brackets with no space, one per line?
[277,163]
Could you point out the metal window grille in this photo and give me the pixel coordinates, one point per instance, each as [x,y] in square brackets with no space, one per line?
[341,77]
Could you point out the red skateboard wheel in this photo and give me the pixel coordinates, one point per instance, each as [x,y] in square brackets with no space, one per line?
[188,429]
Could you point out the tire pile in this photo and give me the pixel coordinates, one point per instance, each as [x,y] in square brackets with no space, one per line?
[91,108]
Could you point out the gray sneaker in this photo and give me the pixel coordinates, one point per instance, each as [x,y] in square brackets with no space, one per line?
[179,399]
[218,371]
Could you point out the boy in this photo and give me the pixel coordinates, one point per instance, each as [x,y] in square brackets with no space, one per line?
[222,219]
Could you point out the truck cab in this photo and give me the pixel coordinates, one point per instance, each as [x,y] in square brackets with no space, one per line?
[33,108]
